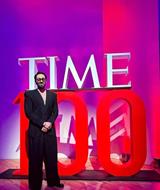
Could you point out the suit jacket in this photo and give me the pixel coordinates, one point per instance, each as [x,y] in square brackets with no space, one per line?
[37,112]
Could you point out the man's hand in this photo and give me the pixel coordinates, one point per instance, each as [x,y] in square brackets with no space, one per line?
[44,129]
[47,125]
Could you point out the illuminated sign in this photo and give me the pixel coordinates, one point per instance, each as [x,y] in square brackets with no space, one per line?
[138,134]
[52,61]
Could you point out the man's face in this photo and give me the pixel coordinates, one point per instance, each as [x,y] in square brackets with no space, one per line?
[41,81]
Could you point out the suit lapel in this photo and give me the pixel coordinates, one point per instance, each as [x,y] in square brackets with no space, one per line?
[39,97]
[47,97]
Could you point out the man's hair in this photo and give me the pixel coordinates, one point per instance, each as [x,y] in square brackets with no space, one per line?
[39,72]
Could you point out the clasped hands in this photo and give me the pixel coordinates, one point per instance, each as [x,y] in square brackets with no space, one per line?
[46,126]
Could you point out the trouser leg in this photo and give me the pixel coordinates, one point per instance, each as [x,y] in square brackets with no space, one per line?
[35,162]
[50,160]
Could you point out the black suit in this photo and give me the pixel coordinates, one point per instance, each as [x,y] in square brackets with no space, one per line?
[42,146]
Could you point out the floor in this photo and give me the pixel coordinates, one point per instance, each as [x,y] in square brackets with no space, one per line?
[75,185]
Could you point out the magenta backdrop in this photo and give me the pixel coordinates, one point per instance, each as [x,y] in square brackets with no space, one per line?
[79,29]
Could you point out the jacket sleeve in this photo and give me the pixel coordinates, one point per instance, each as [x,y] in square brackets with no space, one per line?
[54,114]
[29,111]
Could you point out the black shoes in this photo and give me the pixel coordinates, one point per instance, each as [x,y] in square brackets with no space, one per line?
[58,185]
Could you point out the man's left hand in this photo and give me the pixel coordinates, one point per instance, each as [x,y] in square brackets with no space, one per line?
[47,125]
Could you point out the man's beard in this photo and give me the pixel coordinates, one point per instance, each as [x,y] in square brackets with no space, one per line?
[41,86]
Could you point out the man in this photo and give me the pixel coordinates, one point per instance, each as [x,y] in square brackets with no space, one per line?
[41,109]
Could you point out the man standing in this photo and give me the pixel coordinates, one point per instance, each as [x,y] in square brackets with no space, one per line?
[41,109]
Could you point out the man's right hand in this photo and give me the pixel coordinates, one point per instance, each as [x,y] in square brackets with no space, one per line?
[44,129]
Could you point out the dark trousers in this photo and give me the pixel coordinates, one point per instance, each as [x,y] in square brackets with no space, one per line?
[42,148]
